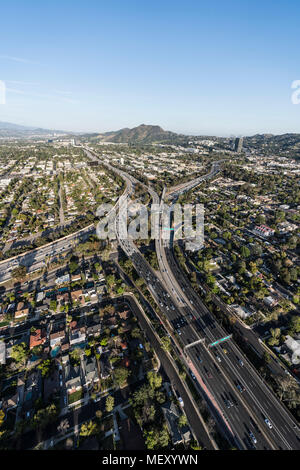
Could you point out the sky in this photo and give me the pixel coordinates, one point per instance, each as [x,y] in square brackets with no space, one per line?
[197,67]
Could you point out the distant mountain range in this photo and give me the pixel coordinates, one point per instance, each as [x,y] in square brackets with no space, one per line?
[266,144]
[9,130]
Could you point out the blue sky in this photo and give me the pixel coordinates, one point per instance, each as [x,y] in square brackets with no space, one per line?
[200,67]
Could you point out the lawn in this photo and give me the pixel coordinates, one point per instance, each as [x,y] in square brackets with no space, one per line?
[75,396]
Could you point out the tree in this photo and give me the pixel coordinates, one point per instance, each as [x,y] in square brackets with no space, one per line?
[110,280]
[73,266]
[275,334]
[19,353]
[75,355]
[45,367]
[19,273]
[63,426]
[154,379]
[294,325]
[110,403]
[2,416]
[45,416]
[154,438]
[245,252]
[121,374]
[165,343]
[88,429]
[136,332]
[182,421]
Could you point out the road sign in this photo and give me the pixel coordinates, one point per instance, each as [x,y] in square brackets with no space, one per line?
[219,341]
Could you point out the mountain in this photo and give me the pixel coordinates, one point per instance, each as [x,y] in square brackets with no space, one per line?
[143,134]
[287,145]
[10,130]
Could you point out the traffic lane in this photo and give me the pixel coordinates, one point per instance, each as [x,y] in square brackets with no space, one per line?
[173,376]
[237,416]
[186,336]
[229,372]
[253,381]
[260,405]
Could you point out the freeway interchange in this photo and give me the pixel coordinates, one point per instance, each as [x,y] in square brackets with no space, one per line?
[242,404]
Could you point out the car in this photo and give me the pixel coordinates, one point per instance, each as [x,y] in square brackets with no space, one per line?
[193,376]
[241,362]
[199,358]
[225,351]
[218,358]
[179,332]
[240,387]
[180,401]
[252,437]
[60,383]
[268,423]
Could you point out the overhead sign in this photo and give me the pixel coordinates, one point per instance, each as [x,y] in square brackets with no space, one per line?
[219,341]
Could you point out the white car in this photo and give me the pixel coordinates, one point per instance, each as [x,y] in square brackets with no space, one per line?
[180,401]
[268,423]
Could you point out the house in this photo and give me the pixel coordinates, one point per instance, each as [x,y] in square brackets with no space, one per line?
[171,415]
[93,330]
[123,345]
[2,352]
[270,301]
[91,372]
[40,297]
[51,385]
[72,378]
[111,322]
[21,311]
[77,335]
[57,337]
[37,338]
[105,369]
[11,400]
[263,231]
[32,390]
[62,279]
[76,277]
[77,296]
[62,298]
[42,309]
[241,311]
[293,346]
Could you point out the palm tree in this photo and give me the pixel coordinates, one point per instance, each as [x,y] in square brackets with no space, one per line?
[63,426]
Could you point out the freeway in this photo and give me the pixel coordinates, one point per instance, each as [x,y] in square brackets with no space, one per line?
[35,259]
[284,433]
[249,407]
